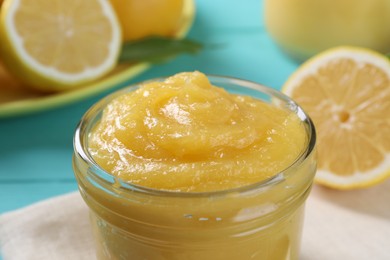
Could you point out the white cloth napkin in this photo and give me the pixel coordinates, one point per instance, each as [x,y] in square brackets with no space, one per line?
[338,225]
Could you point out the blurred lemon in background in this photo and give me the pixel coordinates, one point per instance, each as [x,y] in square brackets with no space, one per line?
[141,18]
[303,28]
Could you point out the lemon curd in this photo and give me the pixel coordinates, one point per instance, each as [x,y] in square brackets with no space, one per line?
[182,169]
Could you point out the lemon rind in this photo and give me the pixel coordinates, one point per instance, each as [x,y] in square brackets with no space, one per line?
[311,66]
[358,179]
[189,12]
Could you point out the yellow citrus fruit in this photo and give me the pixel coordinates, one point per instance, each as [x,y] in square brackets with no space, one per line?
[346,91]
[141,18]
[54,44]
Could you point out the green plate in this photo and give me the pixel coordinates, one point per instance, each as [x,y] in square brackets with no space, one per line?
[17,100]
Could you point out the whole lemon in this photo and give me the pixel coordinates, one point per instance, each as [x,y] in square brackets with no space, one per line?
[305,27]
[141,18]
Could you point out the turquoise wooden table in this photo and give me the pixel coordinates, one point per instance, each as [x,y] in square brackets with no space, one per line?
[36,150]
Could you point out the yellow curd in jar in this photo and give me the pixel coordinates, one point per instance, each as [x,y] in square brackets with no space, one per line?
[183,169]
[185,134]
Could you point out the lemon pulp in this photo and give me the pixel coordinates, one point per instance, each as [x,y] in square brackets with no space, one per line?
[53,46]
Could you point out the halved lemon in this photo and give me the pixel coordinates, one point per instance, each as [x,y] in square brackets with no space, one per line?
[54,44]
[346,91]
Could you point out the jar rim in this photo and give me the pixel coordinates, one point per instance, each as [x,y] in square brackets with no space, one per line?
[81,149]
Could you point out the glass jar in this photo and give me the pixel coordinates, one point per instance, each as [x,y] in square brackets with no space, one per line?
[259,221]
[303,28]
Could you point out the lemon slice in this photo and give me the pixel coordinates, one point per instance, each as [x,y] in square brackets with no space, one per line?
[346,91]
[55,44]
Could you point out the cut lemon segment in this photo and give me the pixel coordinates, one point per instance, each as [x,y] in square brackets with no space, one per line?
[55,44]
[346,91]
